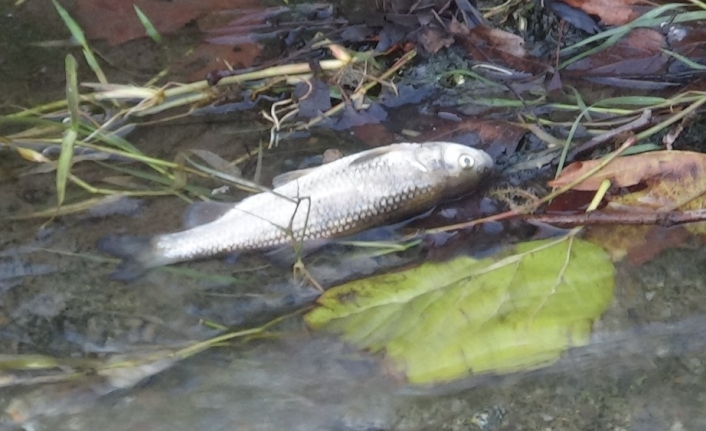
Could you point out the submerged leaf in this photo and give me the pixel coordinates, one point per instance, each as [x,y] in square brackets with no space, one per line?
[611,12]
[441,321]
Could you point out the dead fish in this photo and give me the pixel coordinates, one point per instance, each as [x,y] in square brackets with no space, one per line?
[337,199]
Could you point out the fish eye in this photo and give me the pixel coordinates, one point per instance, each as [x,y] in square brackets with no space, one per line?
[466,161]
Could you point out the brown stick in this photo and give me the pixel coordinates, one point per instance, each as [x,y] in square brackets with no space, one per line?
[594,218]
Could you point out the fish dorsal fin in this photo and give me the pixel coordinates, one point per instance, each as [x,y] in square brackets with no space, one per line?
[352,160]
[290,176]
[369,155]
[200,213]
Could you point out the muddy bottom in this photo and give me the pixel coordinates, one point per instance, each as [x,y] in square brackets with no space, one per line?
[644,370]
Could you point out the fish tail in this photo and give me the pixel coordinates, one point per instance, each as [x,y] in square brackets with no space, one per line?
[136,253]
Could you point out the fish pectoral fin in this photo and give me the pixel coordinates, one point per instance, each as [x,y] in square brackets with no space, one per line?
[200,213]
[286,256]
[290,176]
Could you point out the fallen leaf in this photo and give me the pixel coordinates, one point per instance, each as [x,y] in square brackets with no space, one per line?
[390,35]
[238,20]
[433,39]
[611,12]
[495,136]
[487,44]
[683,189]
[117,22]
[631,170]
[671,180]
[352,117]
[374,135]
[574,16]
[638,53]
[314,97]
[442,321]
[501,40]
[405,94]
[208,58]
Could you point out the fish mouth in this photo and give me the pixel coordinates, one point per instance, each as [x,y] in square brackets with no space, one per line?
[488,164]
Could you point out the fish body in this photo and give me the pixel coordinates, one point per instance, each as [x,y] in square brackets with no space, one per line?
[337,199]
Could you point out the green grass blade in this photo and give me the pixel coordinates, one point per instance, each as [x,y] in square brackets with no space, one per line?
[159,179]
[569,139]
[639,101]
[72,95]
[642,148]
[80,37]
[581,103]
[691,63]
[71,24]
[147,24]
[63,167]
[694,107]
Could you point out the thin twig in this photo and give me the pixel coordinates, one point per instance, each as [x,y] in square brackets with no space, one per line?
[603,217]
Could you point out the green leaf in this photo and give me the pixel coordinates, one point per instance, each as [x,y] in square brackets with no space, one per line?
[442,321]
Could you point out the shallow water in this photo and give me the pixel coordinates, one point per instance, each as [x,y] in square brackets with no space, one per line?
[643,371]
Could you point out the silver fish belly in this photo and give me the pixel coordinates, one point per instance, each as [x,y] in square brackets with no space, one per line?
[337,199]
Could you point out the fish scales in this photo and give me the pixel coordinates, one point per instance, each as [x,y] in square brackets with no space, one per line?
[337,199]
[349,199]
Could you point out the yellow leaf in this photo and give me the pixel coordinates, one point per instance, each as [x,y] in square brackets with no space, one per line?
[442,321]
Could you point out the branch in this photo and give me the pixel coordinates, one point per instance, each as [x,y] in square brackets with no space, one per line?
[669,218]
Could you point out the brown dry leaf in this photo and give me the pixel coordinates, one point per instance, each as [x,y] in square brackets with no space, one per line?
[492,45]
[611,12]
[117,21]
[631,170]
[501,40]
[683,189]
[374,135]
[673,180]
[208,57]
[492,38]
[433,39]
[494,136]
